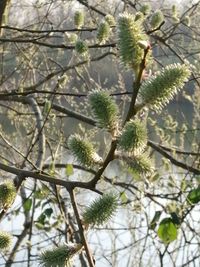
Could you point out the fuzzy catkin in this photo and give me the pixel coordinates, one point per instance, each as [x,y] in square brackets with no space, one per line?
[5,240]
[79,19]
[103,32]
[101,210]
[159,89]
[134,137]
[141,164]
[81,47]
[130,32]
[83,150]
[145,9]
[104,109]
[156,19]
[110,20]
[7,193]
[58,256]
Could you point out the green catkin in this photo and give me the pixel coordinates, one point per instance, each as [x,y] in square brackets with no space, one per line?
[156,19]
[187,21]
[73,37]
[141,164]
[7,193]
[130,32]
[103,32]
[79,19]
[81,47]
[59,256]
[174,10]
[110,20]
[139,16]
[158,90]
[134,137]
[101,210]
[145,9]
[70,38]
[5,240]
[83,150]
[104,109]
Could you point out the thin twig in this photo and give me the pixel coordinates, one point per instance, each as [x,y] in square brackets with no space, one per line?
[81,230]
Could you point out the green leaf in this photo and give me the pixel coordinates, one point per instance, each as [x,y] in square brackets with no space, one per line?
[41,219]
[123,197]
[48,212]
[51,170]
[39,226]
[183,185]
[155,219]
[27,204]
[194,195]
[167,231]
[37,194]
[47,106]
[42,193]
[175,218]
[69,170]
[154,177]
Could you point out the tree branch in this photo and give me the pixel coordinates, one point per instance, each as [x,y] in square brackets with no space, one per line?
[81,230]
[172,159]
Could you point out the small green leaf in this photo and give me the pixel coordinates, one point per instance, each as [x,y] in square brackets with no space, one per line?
[154,177]
[47,107]
[48,212]
[175,218]
[42,193]
[155,219]
[183,185]
[194,196]
[69,170]
[41,219]
[37,194]
[27,204]
[167,231]
[51,170]
[123,197]
[39,226]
